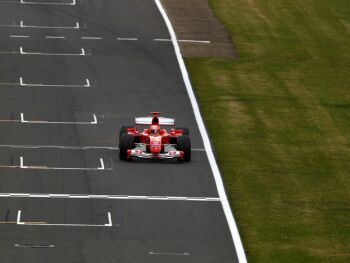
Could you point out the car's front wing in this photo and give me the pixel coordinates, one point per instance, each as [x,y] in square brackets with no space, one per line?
[145,155]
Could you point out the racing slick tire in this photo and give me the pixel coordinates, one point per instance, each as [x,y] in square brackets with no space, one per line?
[185,130]
[123,129]
[184,144]
[126,143]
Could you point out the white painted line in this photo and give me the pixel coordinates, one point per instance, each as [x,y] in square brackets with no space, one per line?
[109,219]
[195,41]
[102,167]
[215,169]
[33,246]
[76,26]
[9,120]
[44,167]
[22,117]
[46,3]
[9,2]
[19,222]
[10,52]
[19,217]
[82,53]
[67,147]
[65,225]
[91,38]
[24,195]
[9,25]
[95,119]
[183,40]
[198,150]
[9,83]
[127,38]
[19,36]
[9,166]
[68,225]
[162,40]
[21,83]
[94,122]
[112,197]
[53,195]
[55,37]
[21,163]
[23,120]
[169,253]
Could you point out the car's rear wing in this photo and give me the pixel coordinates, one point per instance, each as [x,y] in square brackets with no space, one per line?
[148,121]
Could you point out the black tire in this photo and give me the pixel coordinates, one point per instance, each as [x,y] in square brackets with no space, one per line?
[126,142]
[123,129]
[184,144]
[185,130]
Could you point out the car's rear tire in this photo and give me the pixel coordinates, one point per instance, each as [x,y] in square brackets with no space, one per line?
[185,130]
[126,143]
[184,144]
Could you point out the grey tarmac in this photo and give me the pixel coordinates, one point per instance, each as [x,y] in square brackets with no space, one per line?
[126,79]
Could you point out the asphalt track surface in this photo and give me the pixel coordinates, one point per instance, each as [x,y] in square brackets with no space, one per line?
[70,76]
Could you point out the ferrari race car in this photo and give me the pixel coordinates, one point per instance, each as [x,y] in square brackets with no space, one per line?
[154,142]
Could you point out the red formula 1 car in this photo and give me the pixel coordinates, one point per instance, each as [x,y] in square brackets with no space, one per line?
[154,142]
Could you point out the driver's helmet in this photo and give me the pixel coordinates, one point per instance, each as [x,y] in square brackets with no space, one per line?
[154,129]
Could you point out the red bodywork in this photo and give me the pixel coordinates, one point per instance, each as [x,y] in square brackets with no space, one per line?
[155,139]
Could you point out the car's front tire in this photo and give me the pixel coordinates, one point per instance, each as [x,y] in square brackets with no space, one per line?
[126,143]
[184,144]
[123,129]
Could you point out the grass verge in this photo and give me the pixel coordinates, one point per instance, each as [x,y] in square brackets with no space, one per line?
[279,117]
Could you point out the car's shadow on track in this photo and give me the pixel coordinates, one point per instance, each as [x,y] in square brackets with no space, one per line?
[145,161]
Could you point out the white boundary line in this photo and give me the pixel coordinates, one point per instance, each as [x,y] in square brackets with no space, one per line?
[77,26]
[216,172]
[112,197]
[21,83]
[19,222]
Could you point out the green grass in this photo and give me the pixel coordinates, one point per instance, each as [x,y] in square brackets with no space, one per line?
[279,117]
